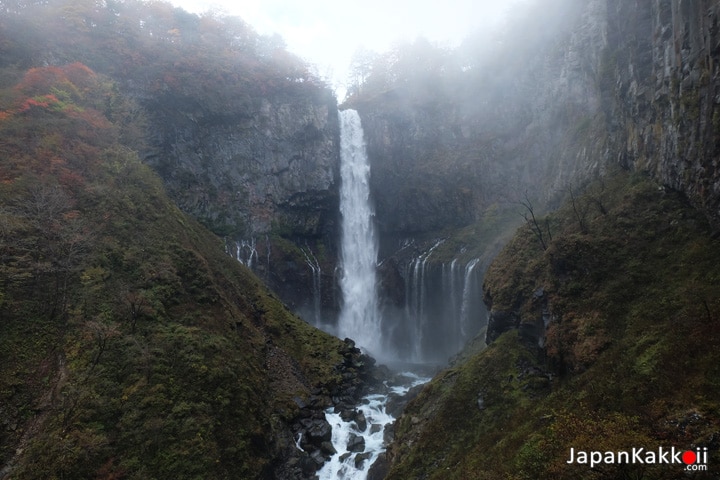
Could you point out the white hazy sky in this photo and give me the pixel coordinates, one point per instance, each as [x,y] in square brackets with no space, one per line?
[327,32]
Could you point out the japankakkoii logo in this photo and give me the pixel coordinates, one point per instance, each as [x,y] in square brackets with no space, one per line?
[693,460]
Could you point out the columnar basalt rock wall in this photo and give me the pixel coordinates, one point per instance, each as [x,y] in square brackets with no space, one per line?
[634,84]
[664,114]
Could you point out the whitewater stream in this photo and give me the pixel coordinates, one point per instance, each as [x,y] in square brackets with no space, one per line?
[358,441]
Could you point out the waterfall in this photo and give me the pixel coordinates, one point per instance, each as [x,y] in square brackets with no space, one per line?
[443,307]
[417,301]
[452,298]
[359,317]
[312,262]
[466,297]
[245,252]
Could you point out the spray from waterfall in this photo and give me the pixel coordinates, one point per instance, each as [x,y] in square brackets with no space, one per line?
[443,306]
[359,318]
[416,301]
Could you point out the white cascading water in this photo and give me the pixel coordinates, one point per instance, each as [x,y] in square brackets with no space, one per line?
[348,465]
[312,262]
[442,311]
[466,297]
[245,252]
[451,293]
[416,301]
[359,318]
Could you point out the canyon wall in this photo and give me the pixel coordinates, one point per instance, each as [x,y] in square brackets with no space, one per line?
[569,92]
[262,171]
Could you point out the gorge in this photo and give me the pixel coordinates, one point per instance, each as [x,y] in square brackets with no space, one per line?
[532,217]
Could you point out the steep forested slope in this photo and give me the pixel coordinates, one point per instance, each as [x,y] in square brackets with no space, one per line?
[243,133]
[131,346]
[628,288]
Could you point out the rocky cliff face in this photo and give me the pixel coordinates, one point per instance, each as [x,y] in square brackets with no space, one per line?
[418,183]
[644,83]
[262,171]
[604,83]
[649,72]
[629,86]
[265,164]
[663,111]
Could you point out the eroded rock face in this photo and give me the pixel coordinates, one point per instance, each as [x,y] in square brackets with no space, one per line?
[666,109]
[612,83]
[262,171]
[269,163]
[415,186]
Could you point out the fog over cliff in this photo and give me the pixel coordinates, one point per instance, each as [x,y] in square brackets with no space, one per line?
[538,224]
[561,94]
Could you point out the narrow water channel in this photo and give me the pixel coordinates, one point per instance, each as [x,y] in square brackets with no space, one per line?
[358,436]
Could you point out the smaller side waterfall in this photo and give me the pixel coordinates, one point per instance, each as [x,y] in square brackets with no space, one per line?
[416,301]
[468,290]
[453,285]
[314,265]
[443,307]
[244,251]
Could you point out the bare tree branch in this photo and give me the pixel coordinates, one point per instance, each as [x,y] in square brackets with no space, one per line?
[532,222]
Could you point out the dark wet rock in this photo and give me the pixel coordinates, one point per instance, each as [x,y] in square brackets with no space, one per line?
[499,323]
[361,458]
[389,433]
[319,432]
[380,467]
[348,415]
[327,448]
[356,443]
[299,402]
[361,421]
[308,466]
[318,457]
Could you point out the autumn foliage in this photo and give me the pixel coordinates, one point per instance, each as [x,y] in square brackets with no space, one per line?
[63,103]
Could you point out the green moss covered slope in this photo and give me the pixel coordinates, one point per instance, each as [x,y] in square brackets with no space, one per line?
[630,287]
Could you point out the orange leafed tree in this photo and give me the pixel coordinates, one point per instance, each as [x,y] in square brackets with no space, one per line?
[53,123]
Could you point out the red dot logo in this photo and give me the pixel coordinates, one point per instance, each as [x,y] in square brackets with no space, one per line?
[689,457]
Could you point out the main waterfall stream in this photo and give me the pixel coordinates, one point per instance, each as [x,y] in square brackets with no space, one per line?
[358,435]
[359,317]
